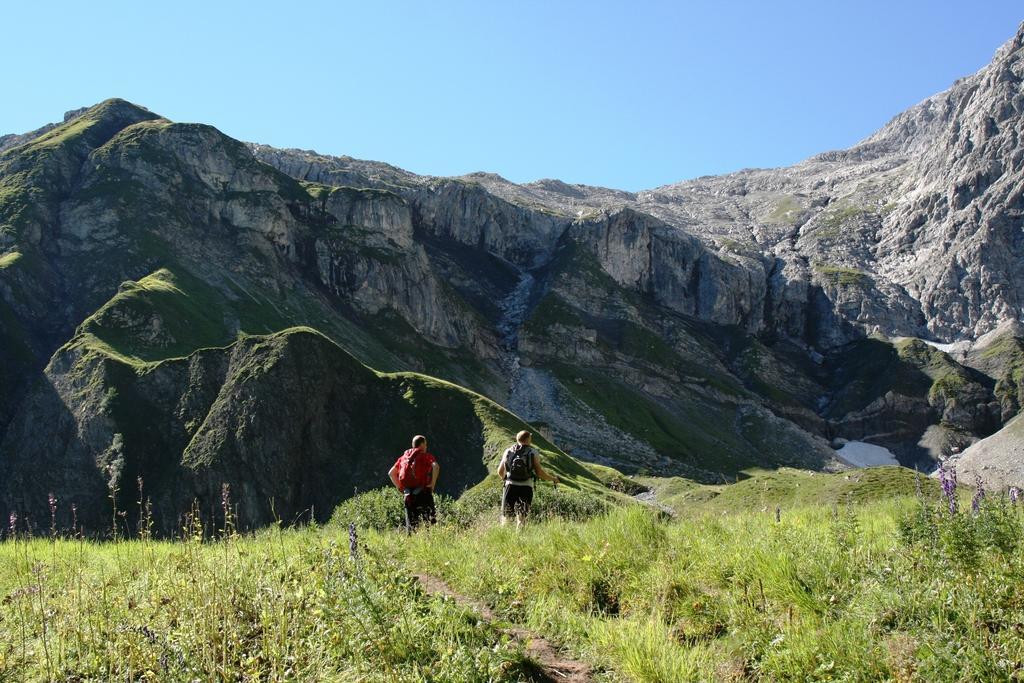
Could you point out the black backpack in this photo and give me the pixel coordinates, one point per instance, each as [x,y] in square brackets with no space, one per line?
[519,463]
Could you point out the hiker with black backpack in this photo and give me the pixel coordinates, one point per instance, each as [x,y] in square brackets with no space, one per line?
[415,475]
[519,469]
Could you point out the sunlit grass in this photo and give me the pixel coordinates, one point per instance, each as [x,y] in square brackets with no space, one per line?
[275,606]
[888,590]
[825,594]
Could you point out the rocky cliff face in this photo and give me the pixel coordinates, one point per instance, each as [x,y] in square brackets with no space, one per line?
[916,231]
[698,328]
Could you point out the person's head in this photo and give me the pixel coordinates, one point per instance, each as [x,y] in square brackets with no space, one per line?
[419,441]
[524,437]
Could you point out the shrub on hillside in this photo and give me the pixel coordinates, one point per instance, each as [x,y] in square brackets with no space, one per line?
[549,502]
[381,509]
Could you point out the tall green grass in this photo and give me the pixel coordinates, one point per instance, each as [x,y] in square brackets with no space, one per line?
[888,590]
[826,594]
[275,606]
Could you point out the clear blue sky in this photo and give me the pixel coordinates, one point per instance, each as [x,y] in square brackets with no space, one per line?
[628,94]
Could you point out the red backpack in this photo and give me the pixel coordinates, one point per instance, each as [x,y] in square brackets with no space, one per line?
[413,470]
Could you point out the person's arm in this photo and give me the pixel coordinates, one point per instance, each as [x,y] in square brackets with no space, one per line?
[501,468]
[393,473]
[540,470]
[435,469]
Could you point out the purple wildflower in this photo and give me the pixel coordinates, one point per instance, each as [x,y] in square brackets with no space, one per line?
[74,517]
[353,541]
[52,500]
[1014,494]
[12,522]
[947,477]
[979,495]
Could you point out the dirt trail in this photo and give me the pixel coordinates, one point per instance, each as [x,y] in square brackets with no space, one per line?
[555,667]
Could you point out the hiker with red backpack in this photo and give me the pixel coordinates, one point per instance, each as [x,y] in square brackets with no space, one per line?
[415,475]
[519,469]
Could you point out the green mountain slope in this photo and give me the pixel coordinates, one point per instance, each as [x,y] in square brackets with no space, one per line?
[290,421]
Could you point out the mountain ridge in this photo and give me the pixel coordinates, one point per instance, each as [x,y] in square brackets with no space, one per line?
[900,137]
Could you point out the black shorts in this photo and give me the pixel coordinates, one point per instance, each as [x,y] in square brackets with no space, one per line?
[516,499]
[419,509]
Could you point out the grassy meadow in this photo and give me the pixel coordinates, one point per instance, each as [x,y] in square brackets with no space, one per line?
[890,587]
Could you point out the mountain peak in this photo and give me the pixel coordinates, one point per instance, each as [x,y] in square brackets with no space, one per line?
[1018,40]
[114,112]
[94,125]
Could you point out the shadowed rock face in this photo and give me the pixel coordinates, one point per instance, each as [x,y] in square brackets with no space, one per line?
[289,422]
[699,328]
